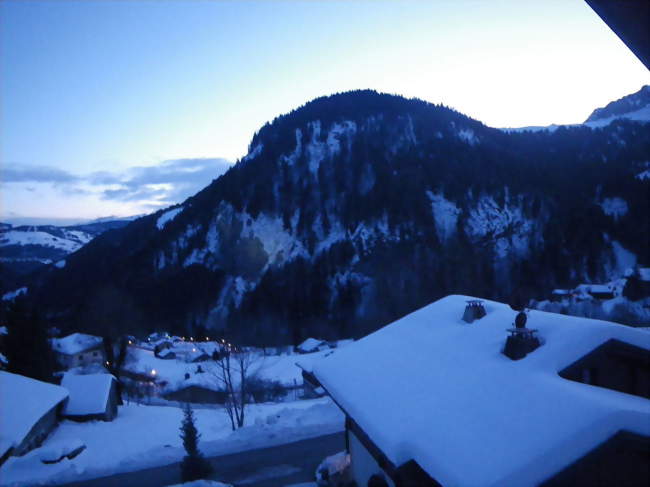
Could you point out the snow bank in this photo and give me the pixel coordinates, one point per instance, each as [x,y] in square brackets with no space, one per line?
[148,436]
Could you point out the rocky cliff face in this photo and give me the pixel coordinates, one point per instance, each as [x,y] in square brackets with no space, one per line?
[358,208]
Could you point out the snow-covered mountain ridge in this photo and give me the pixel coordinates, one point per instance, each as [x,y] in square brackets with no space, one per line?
[26,248]
[635,106]
[359,207]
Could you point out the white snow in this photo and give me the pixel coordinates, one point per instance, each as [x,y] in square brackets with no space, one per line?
[25,237]
[468,136]
[88,393]
[24,402]
[624,259]
[614,207]
[168,216]
[56,449]
[643,175]
[450,399]
[311,345]
[11,295]
[445,215]
[640,115]
[148,436]
[256,151]
[506,227]
[60,264]
[75,343]
[644,273]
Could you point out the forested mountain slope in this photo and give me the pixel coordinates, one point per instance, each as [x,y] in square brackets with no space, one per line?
[360,207]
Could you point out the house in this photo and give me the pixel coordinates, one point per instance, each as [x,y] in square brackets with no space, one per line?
[29,411]
[79,349]
[166,355]
[560,294]
[601,291]
[92,397]
[312,345]
[430,401]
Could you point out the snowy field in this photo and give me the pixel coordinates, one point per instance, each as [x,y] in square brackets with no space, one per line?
[148,436]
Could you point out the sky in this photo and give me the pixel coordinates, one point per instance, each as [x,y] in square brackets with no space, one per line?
[124,107]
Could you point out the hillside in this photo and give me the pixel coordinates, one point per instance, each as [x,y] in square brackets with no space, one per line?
[360,207]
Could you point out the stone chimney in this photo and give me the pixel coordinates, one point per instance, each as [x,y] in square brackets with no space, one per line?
[522,340]
[474,310]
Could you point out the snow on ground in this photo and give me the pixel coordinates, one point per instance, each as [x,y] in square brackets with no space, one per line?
[614,207]
[281,368]
[21,237]
[11,295]
[445,215]
[148,436]
[168,216]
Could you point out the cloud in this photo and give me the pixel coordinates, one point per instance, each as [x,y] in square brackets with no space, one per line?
[149,187]
[169,182]
[14,173]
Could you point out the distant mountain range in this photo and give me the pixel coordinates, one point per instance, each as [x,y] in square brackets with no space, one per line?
[358,208]
[635,106]
[26,248]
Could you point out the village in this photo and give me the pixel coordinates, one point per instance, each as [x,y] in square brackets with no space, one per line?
[465,349]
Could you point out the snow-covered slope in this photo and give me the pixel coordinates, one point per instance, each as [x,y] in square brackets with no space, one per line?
[28,247]
[361,206]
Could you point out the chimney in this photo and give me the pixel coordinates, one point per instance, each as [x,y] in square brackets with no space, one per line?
[522,340]
[474,310]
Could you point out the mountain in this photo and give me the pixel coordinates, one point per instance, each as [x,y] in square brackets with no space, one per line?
[634,107]
[26,248]
[357,208]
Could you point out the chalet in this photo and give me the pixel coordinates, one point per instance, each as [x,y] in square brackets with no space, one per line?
[24,421]
[560,294]
[78,350]
[430,401]
[312,345]
[601,291]
[166,355]
[92,397]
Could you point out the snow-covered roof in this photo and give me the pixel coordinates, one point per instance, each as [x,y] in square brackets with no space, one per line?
[561,291]
[430,388]
[24,402]
[310,345]
[76,343]
[88,393]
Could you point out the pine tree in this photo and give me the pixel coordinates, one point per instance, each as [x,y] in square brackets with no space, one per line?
[194,465]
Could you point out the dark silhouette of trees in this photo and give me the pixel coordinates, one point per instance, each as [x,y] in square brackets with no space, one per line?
[27,346]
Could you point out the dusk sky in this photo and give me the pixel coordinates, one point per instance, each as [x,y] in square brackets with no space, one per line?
[120,108]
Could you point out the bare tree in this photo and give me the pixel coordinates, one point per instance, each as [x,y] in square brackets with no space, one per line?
[235,369]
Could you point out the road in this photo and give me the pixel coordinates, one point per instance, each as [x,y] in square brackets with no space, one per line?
[264,467]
